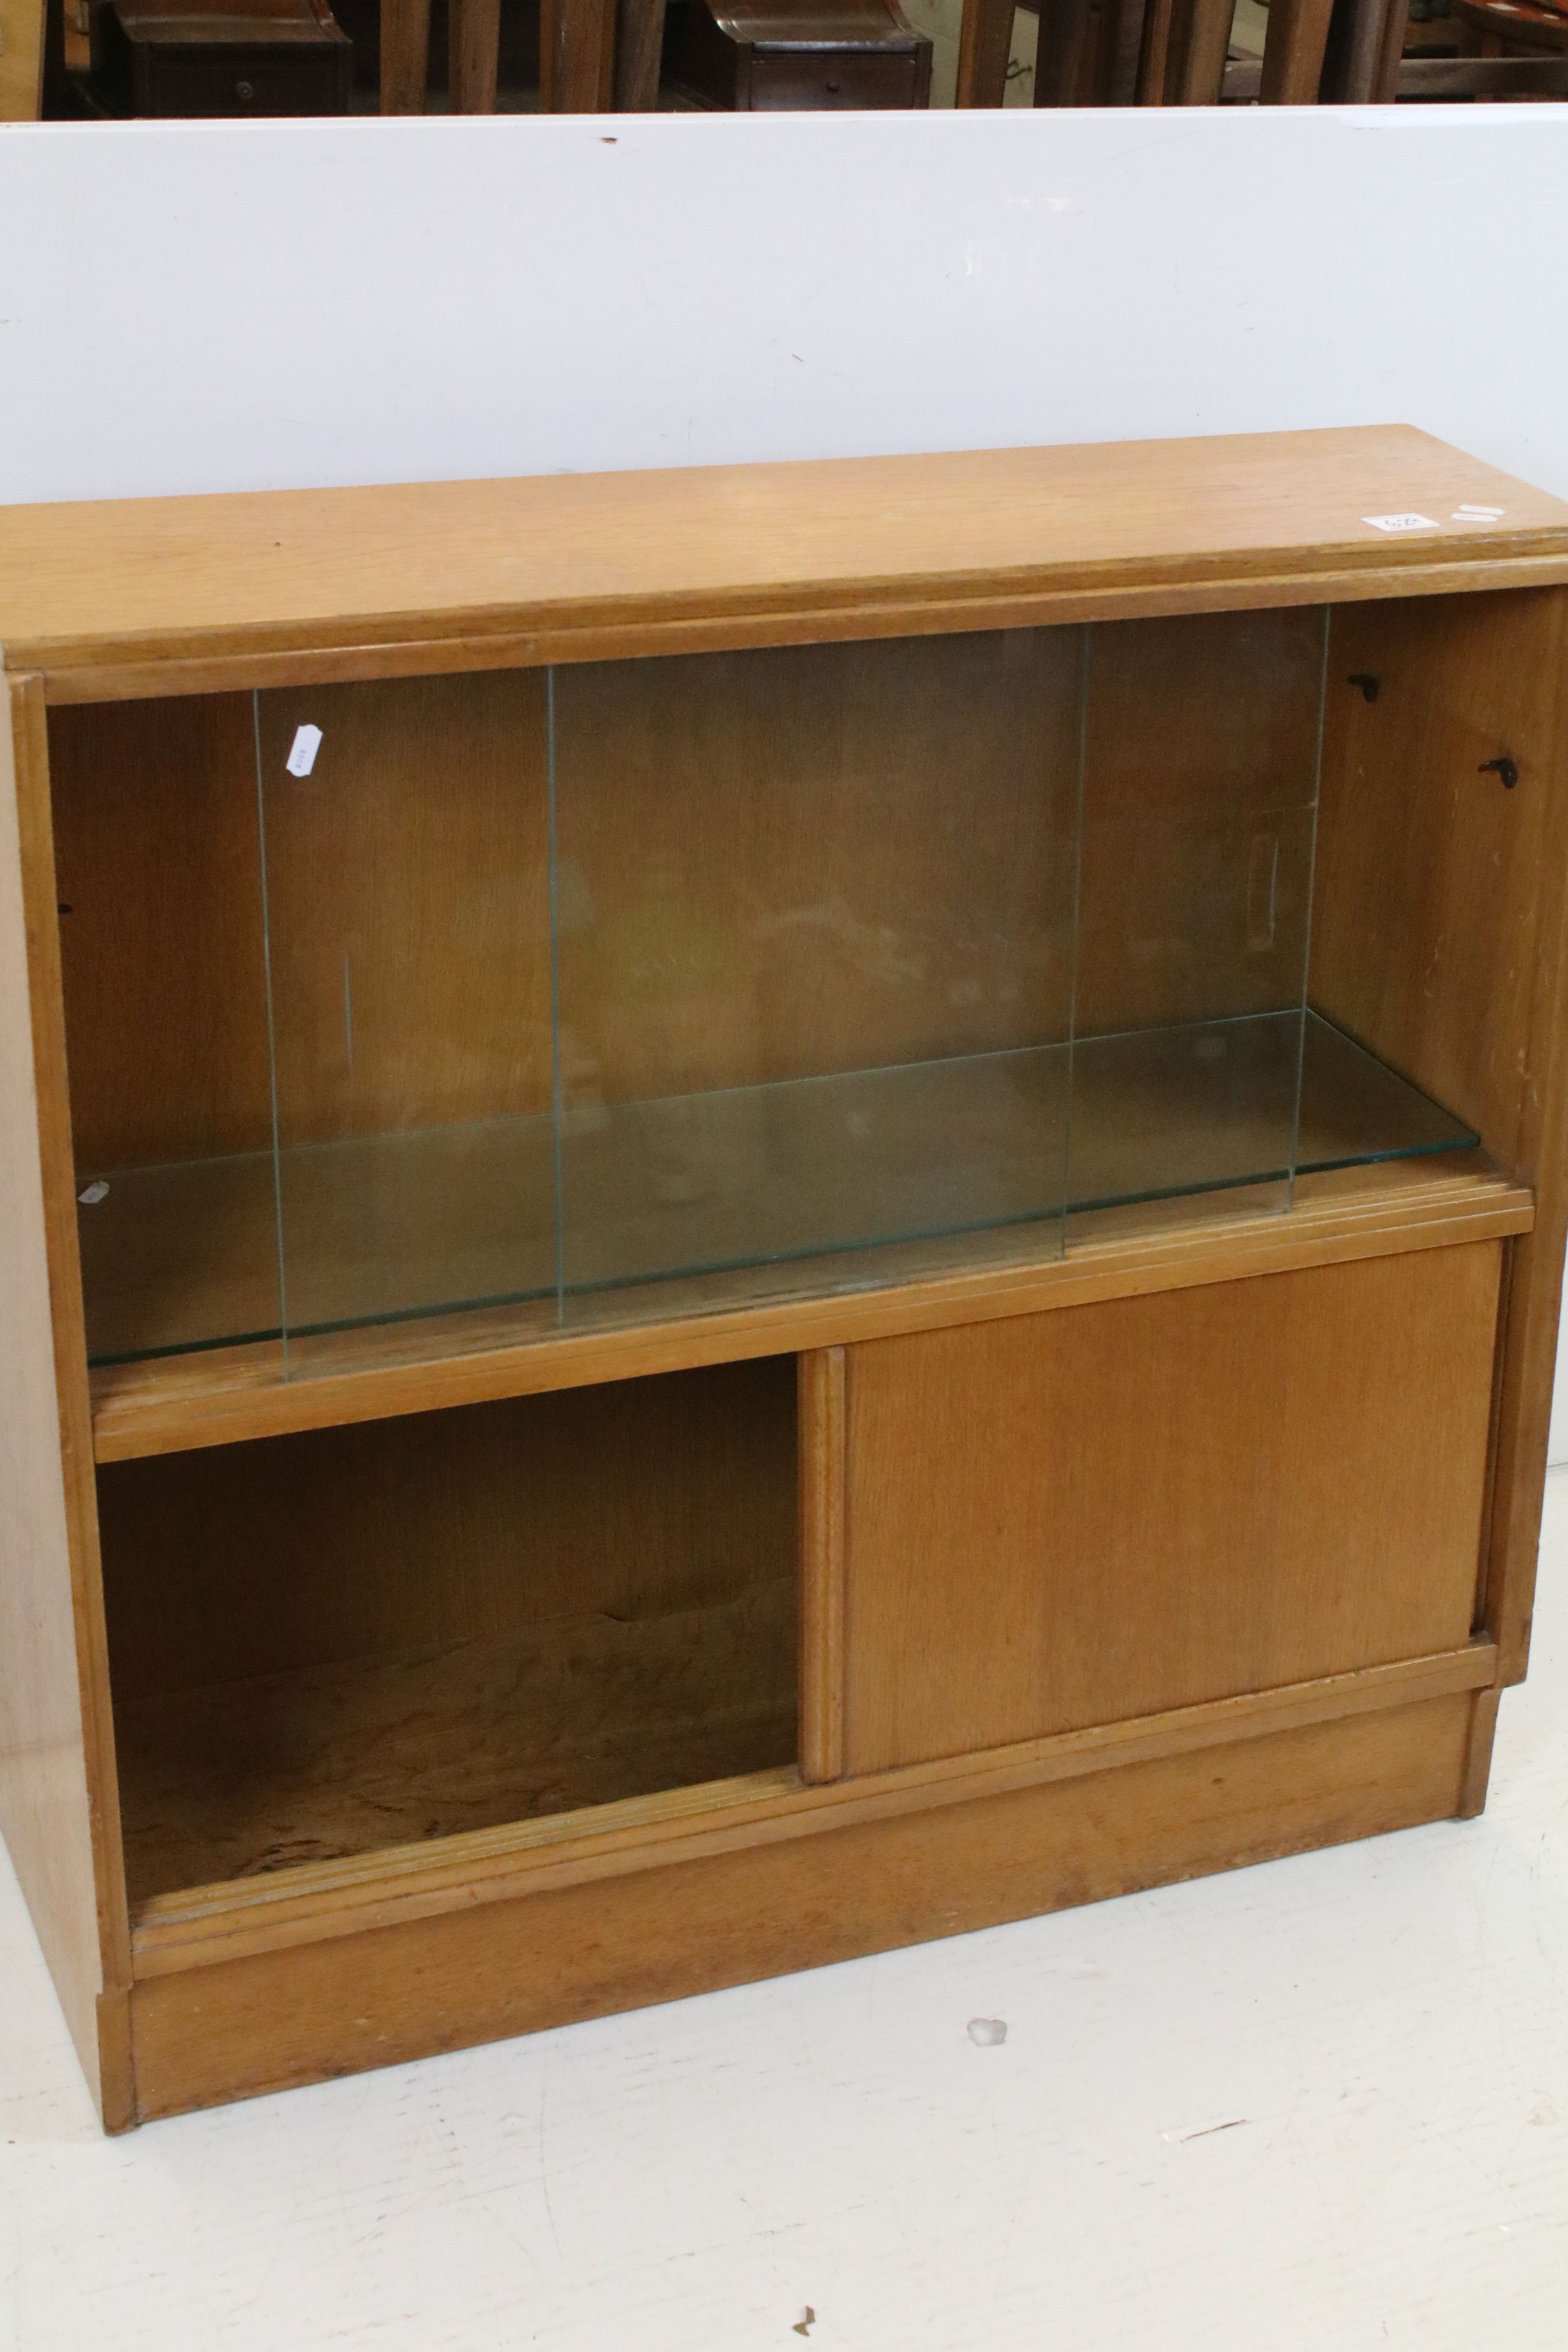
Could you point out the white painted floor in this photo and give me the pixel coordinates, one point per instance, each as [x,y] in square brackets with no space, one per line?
[1381,2031]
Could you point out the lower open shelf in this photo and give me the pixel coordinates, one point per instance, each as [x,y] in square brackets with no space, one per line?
[234,1780]
[328,1643]
[437,1221]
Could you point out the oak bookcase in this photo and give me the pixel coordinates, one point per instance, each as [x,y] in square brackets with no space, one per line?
[752,1213]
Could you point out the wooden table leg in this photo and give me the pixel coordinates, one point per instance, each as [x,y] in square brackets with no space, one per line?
[404,55]
[639,44]
[1154,55]
[576,57]
[1201,73]
[1385,85]
[1293,52]
[1067,31]
[985,45]
[1126,51]
[473,54]
[1355,40]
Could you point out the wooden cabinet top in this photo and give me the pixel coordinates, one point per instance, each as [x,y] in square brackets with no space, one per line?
[154,595]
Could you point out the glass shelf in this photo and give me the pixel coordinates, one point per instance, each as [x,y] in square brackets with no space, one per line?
[465,1216]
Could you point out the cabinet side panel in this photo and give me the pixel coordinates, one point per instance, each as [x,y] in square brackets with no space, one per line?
[1535,1259]
[51,1773]
[1431,874]
[1067,1519]
[1441,938]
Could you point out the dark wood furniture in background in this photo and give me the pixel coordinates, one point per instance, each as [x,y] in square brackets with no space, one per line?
[444,1593]
[601,55]
[1502,24]
[595,56]
[1523,46]
[754,56]
[1378,54]
[1139,52]
[473,45]
[1174,53]
[612,55]
[245,57]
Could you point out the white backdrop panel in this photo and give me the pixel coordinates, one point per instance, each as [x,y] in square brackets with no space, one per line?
[199,306]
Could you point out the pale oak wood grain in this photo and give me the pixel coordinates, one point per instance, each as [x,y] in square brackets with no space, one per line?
[315,1901]
[58,1790]
[840,547]
[822,1430]
[1439,938]
[679,1890]
[1144,1504]
[234,2028]
[239,1393]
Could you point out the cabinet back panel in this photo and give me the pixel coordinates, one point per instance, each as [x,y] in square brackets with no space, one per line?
[166,993]
[1071,1519]
[408,904]
[636,1498]
[355,1638]
[406,878]
[1200,780]
[779,864]
[1429,871]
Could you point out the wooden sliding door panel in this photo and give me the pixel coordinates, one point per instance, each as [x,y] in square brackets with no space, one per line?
[1065,1520]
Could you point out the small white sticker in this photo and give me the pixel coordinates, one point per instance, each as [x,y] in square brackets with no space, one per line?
[1469,507]
[303,755]
[94,1194]
[1400,522]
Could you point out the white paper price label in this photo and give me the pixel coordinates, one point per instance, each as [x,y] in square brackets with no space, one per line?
[302,752]
[1400,522]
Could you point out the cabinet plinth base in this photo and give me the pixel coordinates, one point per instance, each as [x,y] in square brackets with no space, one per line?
[279,2018]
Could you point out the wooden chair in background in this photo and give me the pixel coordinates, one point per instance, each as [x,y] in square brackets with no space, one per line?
[1506,48]
[1142,52]
[1341,52]
[1523,47]
[595,56]
[405,52]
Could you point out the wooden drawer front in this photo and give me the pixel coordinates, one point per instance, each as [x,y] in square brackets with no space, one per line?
[232,81]
[824,79]
[1073,1517]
